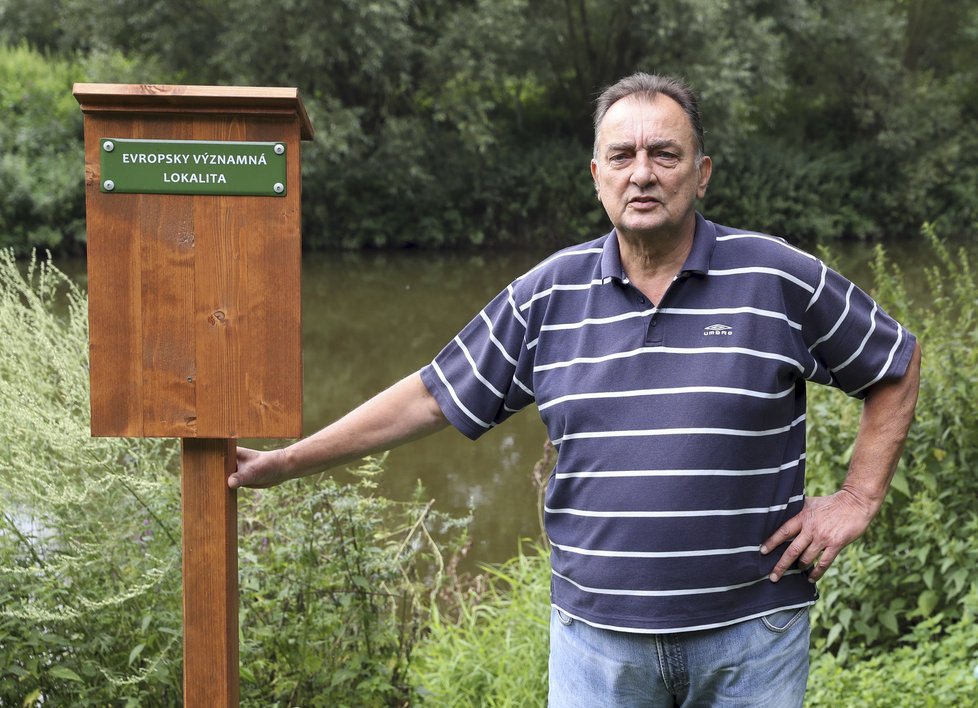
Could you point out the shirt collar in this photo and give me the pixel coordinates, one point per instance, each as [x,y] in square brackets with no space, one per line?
[611,259]
[704,242]
[697,262]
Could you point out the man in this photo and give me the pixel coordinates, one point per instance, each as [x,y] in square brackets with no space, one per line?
[669,361]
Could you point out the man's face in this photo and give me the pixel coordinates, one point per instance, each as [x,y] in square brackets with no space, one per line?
[645,171]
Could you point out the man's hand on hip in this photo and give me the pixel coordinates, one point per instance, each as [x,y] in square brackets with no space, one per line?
[820,531]
[826,525]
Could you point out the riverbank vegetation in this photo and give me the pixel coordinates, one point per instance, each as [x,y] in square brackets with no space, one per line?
[351,599]
[444,124]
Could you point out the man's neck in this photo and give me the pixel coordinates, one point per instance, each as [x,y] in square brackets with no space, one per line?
[655,256]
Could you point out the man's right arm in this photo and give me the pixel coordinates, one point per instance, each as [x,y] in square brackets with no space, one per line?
[404,412]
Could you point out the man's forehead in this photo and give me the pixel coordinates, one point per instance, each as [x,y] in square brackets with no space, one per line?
[661,113]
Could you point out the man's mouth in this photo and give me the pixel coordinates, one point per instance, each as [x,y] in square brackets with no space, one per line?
[643,200]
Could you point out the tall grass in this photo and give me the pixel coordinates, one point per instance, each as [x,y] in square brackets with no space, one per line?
[494,653]
[89,527]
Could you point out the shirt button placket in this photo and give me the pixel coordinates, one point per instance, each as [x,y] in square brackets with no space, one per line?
[654,333]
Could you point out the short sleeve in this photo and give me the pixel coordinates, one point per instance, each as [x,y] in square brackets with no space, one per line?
[484,374]
[853,341]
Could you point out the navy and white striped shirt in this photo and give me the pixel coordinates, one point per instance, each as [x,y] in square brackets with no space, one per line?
[680,427]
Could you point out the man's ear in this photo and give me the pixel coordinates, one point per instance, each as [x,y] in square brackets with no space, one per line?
[706,171]
[594,175]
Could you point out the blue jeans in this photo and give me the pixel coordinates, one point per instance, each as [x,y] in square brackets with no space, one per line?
[758,662]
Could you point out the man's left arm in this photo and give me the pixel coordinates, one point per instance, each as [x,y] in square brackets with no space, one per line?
[826,525]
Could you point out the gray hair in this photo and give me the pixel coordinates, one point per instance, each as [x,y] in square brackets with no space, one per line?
[648,86]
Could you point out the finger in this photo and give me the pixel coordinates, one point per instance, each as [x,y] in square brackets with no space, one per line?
[246,479]
[244,454]
[791,528]
[239,477]
[810,555]
[819,569]
[790,555]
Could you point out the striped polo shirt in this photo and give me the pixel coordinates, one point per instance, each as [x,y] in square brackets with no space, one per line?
[679,425]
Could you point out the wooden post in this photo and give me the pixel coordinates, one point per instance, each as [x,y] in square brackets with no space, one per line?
[210,574]
[192,196]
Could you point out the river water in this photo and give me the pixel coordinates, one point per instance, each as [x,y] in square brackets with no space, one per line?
[371,318]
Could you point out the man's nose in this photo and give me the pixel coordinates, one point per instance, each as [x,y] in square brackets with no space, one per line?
[642,172]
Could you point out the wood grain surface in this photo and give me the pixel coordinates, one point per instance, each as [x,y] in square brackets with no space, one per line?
[210,575]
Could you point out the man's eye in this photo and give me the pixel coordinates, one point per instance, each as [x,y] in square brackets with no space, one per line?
[618,158]
[667,156]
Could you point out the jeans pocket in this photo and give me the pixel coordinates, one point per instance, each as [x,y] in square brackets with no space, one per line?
[564,619]
[781,621]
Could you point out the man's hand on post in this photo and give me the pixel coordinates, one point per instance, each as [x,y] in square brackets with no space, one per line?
[259,469]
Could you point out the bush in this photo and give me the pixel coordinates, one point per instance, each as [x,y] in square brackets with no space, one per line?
[796,192]
[42,165]
[438,192]
[335,583]
[42,160]
[935,665]
[442,124]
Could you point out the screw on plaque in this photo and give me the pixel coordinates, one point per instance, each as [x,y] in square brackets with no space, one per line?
[108,185]
[279,187]
[108,146]
[279,148]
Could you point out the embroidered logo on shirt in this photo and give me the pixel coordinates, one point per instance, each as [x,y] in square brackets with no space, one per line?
[718,329]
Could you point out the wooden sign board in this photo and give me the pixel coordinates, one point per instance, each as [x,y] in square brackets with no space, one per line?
[192,197]
[194,297]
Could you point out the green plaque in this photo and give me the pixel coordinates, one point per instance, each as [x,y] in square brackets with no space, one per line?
[192,167]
